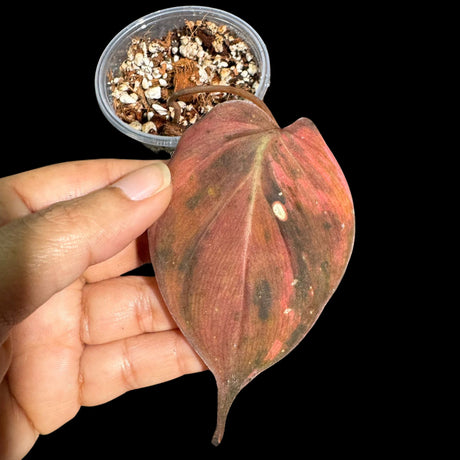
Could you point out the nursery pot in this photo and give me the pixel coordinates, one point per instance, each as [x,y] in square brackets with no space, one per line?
[157,25]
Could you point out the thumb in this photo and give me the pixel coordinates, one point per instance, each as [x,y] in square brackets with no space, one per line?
[43,252]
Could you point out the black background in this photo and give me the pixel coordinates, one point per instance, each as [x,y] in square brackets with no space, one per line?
[335,392]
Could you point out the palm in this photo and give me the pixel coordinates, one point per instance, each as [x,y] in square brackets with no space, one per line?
[90,343]
[47,350]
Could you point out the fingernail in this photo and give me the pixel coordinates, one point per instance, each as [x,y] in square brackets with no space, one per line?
[145,182]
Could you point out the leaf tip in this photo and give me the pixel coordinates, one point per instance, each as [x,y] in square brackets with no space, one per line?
[225,397]
[222,413]
[217,438]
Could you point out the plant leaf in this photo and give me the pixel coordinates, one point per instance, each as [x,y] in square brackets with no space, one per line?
[254,243]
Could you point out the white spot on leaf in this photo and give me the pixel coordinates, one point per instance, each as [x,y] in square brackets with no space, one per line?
[280,211]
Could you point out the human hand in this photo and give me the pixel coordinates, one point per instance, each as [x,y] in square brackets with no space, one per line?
[72,331]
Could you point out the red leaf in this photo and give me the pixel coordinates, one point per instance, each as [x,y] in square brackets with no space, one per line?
[256,239]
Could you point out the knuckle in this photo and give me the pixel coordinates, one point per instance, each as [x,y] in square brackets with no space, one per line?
[144,310]
[127,368]
[58,224]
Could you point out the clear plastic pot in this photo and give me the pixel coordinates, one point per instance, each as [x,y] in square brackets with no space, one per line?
[157,25]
